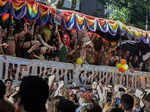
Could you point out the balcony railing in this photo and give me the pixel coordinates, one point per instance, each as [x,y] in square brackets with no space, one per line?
[16,68]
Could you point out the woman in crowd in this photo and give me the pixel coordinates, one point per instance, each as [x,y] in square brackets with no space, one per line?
[64,44]
[26,41]
[9,89]
[5,106]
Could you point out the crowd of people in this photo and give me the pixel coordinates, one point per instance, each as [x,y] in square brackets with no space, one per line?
[53,42]
[92,92]
[35,94]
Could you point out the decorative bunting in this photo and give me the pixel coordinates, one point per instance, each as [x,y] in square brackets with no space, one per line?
[18,4]
[69,19]
[3,3]
[70,24]
[44,14]
[79,23]
[4,8]
[19,14]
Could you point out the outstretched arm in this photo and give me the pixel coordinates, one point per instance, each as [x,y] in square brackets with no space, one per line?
[44,43]
[60,43]
[37,57]
[20,35]
[51,80]
[74,50]
[34,47]
[26,30]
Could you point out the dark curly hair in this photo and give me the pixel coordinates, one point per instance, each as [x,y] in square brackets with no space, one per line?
[33,93]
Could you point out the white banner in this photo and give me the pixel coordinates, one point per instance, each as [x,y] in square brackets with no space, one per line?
[16,68]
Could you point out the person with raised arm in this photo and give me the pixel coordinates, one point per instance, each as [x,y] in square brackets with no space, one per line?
[63,45]
[26,42]
[2,44]
[85,43]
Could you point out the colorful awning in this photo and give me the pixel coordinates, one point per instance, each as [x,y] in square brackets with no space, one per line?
[70,19]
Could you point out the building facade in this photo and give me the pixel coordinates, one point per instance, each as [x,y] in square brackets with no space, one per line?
[92,7]
[89,7]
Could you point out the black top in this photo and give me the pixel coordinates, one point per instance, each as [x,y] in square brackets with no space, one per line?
[135,64]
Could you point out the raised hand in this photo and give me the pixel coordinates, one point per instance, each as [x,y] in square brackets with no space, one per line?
[61,84]
[35,42]
[56,30]
[5,45]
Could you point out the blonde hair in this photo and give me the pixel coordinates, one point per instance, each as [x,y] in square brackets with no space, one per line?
[64,93]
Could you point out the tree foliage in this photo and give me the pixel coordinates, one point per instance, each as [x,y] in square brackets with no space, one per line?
[136,11]
[122,14]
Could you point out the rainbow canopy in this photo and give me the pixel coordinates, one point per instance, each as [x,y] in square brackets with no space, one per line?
[33,10]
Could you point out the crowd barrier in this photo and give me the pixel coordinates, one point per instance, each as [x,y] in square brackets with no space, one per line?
[16,68]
